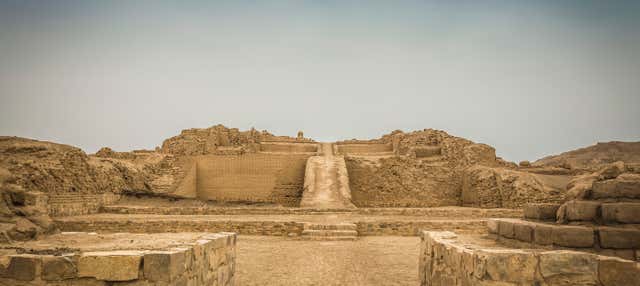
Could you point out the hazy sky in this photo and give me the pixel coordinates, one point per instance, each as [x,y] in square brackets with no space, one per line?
[530,78]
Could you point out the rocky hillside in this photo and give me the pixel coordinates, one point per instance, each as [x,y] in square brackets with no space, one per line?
[594,157]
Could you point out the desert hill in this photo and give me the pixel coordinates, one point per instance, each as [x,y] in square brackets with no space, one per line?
[595,156]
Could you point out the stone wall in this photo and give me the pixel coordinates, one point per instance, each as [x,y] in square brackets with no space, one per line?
[266,178]
[69,204]
[208,261]
[443,212]
[619,241]
[446,261]
[265,227]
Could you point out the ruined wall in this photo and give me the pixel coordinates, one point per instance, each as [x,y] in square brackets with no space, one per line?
[426,170]
[79,204]
[288,147]
[360,148]
[446,261]
[401,182]
[488,187]
[208,261]
[268,178]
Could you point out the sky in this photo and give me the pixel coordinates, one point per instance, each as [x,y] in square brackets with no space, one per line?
[530,78]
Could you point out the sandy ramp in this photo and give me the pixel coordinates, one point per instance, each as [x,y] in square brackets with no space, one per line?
[326,182]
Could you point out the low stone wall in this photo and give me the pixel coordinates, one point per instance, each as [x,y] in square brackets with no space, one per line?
[413,228]
[448,212]
[71,204]
[599,237]
[208,261]
[270,228]
[446,261]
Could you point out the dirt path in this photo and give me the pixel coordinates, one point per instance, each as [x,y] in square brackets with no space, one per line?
[387,260]
[326,181]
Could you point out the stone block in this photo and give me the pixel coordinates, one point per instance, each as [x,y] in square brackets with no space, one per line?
[110,265]
[23,267]
[621,212]
[582,210]
[628,254]
[568,268]
[616,272]
[616,189]
[505,229]
[523,231]
[573,236]
[541,211]
[542,234]
[507,265]
[492,226]
[58,268]
[163,265]
[619,238]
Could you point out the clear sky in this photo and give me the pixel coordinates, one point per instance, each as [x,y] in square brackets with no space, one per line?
[530,78]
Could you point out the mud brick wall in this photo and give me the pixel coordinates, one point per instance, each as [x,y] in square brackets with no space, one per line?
[363,148]
[271,228]
[266,178]
[70,204]
[445,261]
[289,147]
[207,261]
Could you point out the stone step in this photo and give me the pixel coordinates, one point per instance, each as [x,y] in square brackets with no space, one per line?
[329,238]
[329,233]
[339,226]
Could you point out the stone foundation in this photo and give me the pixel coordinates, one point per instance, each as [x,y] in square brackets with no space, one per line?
[618,240]
[444,260]
[71,204]
[262,227]
[209,260]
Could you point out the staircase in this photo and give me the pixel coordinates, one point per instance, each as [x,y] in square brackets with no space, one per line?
[331,232]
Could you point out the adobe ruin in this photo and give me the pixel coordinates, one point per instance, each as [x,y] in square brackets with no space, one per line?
[478,219]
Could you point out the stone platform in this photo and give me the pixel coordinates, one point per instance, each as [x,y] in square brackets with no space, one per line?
[450,259]
[104,259]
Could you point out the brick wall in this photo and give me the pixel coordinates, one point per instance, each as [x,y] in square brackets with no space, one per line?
[268,178]
[70,204]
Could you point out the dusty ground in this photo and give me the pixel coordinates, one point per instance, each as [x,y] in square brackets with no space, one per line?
[267,260]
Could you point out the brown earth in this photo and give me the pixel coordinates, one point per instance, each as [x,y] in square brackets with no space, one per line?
[387,260]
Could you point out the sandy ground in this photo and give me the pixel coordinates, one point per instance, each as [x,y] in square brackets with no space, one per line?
[267,260]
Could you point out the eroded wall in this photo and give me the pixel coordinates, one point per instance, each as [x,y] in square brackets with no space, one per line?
[265,178]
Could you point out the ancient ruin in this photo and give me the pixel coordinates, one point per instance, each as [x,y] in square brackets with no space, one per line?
[220,206]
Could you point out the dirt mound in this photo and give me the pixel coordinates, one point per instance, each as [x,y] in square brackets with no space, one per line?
[594,157]
[56,168]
